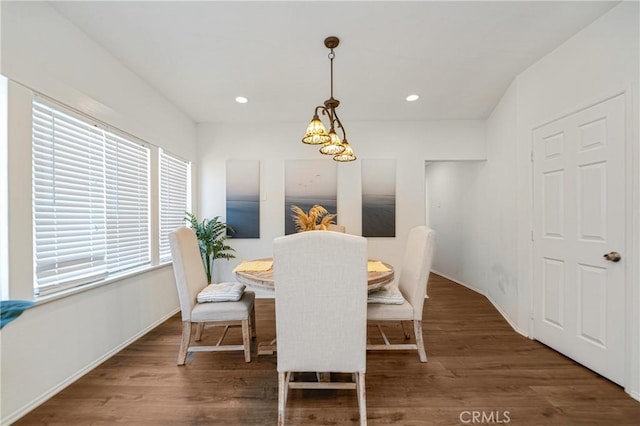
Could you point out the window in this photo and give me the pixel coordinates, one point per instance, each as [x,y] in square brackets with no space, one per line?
[175,191]
[90,200]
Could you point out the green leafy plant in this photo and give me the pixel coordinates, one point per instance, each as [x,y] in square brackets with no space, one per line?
[212,237]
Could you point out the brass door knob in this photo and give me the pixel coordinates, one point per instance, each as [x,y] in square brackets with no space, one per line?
[614,256]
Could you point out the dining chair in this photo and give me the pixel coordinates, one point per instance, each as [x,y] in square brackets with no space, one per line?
[412,287]
[190,279]
[321,311]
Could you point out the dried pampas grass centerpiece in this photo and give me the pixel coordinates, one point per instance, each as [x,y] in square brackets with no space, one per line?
[317,218]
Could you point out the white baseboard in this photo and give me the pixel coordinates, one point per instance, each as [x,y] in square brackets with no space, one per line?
[15,416]
[506,317]
[469,286]
[477,290]
[634,395]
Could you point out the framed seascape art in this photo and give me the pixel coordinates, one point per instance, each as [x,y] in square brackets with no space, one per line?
[243,198]
[378,198]
[309,182]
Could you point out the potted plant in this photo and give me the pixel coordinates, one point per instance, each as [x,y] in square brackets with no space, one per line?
[212,236]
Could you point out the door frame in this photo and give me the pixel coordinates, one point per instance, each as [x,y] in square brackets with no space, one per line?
[632,225]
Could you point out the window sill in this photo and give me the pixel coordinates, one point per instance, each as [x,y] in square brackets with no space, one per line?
[41,300]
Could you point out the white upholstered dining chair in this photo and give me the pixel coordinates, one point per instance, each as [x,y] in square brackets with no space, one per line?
[191,278]
[321,311]
[412,284]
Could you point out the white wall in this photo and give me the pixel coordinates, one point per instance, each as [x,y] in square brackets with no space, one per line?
[499,204]
[452,208]
[410,143]
[600,61]
[54,343]
[472,206]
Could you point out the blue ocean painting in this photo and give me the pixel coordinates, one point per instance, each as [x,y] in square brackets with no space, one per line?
[378,215]
[243,215]
[305,204]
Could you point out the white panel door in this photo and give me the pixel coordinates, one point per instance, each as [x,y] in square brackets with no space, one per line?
[579,216]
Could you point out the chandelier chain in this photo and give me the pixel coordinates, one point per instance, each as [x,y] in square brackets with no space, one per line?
[331,56]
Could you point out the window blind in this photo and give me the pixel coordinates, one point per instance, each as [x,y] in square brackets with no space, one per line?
[127,203]
[90,201]
[175,190]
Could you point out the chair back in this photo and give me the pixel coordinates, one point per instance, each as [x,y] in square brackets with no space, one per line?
[416,265]
[188,268]
[321,301]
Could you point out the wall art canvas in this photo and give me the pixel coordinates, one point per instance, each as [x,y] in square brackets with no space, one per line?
[309,182]
[378,198]
[243,198]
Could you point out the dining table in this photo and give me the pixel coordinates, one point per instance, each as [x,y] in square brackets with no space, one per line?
[259,273]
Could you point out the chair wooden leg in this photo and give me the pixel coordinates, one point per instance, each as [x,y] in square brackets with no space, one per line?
[362,398]
[282,397]
[417,329]
[184,342]
[287,378]
[199,330]
[407,336]
[246,340]
[252,317]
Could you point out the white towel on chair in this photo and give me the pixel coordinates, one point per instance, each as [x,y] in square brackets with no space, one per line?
[222,292]
[388,296]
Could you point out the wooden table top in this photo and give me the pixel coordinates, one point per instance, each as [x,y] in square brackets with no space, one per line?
[264,279]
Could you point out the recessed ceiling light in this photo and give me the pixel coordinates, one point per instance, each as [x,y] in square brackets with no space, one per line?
[412,98]
[242,100]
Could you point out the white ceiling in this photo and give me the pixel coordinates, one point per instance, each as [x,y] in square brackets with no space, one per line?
[459,56]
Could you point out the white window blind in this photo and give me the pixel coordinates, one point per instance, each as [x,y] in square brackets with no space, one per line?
[127,203]
[175,190]
[90,201]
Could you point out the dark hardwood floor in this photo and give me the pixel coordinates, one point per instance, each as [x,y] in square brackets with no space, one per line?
[478,366]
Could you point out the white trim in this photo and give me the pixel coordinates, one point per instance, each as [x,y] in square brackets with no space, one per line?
[44,397]
[506,317]
[531,244]
[469,286]
[531,241]
[632,273]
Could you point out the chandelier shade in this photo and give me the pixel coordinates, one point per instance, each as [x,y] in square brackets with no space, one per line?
[333,146]
[346,155]
[316,133]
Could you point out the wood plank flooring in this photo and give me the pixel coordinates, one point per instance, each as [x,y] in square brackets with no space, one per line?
[478,366]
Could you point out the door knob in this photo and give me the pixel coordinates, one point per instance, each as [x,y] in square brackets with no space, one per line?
[614,256]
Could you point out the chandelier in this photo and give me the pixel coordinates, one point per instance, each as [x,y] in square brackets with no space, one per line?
[316,131]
